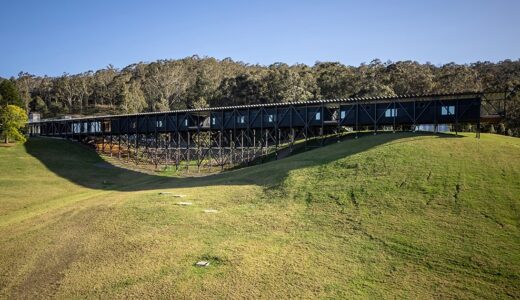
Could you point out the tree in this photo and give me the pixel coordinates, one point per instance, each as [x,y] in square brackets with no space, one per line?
[38,105]
[196,81]
[25,83]
[334,80]
[457,78]
[199,103]
[374,81]
[12,119]
[409,77]
[10,94]
[131,98]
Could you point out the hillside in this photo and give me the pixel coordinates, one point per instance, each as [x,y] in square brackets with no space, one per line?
[392,215]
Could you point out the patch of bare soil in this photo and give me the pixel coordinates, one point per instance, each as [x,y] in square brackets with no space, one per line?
[44,279]
[7,145]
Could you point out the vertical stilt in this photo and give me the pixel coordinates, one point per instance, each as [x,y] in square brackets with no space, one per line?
[221,159]
[188,157]
[375,118]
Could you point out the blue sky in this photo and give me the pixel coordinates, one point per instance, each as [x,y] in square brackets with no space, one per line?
[53,37]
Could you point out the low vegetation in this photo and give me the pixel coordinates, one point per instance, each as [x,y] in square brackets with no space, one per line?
[394,215]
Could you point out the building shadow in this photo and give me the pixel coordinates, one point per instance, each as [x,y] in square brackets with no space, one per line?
[83,166]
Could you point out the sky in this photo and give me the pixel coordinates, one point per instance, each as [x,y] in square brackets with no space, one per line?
[54,37]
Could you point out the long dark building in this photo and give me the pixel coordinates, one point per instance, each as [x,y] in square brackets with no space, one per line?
[237,134]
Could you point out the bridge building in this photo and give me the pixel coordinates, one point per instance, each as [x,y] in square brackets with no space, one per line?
[219,136]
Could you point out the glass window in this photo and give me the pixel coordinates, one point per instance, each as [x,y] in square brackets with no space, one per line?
[391,112]
[271,118]
[318,116]
[77,127]
[213,121]
[448,110]
[95,127]
[342,114]
[159,123]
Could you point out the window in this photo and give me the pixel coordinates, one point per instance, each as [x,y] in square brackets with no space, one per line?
[95,127]
[271,118]
[213,121]
[318,116]
[76,127]
[342,114]
[448,110]
[241,119]
[159,123]
[107,126]
[185,122]
[391,112]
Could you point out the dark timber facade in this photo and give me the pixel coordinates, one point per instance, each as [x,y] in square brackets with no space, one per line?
[216,137]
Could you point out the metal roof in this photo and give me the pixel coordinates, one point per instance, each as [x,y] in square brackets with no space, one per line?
[338,100]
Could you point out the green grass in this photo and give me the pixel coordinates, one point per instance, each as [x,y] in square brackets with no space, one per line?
[387,216]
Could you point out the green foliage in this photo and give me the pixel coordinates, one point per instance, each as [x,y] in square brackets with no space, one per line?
[131,99]
[9,94]
[12,120]
[199,103]
[38,104]
[178,84]
[200,81]
[335,80]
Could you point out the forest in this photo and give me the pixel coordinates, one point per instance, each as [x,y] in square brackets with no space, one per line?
[196,82]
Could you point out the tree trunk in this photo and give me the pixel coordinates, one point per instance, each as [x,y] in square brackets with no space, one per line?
[6,139]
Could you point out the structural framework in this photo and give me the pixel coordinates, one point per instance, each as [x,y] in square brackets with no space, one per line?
[228,136]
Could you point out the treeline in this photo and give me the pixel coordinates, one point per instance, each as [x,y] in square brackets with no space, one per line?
[196,82]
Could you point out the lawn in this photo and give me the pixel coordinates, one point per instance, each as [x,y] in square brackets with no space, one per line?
[389,216]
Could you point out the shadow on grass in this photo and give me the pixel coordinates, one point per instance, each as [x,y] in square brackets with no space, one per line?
[85,167]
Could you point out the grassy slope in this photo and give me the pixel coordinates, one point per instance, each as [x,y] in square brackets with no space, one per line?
[383,216]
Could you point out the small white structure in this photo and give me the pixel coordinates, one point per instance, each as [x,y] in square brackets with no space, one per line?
[431,127]
[202,263]
[34,117]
